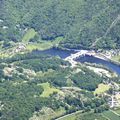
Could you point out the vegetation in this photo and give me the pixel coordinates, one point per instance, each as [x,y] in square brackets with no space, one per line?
[91,116]
[84,116]
[116,58]
[117,111]
[39,80]
[110,115]
[48,90]
[87,80]
[43,45]
[29,35]
[83,23]
[101,89]
[34,85]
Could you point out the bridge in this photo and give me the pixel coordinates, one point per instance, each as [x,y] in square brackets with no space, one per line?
[74,56]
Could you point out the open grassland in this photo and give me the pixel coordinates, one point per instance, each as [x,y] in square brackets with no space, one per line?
[111,115]
[49,114]
[43,45]
[84,116]
[48,90]
[28,35]
[116,58]
[101,88]
[39,46]
[91,116]
[117,111]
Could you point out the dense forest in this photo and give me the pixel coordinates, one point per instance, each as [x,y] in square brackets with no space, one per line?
[82,23]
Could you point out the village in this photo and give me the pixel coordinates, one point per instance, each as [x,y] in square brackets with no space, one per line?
[114,98]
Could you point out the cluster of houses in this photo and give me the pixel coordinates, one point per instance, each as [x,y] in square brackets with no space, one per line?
[21,47]
[114,99]
[114,102]
[111,53]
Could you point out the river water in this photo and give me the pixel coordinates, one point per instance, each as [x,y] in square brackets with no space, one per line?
[90,59]
[56,52]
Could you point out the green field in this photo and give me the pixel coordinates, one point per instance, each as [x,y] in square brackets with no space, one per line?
[40,46]
[84,116]
[117,111]
[28,35]
[91,116]
[116,58]
[50,114]
[110,115]
[43,45]
[48,90]
[101,88]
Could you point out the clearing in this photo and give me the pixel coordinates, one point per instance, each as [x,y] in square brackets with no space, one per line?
[43,45]
[117,111]
[83,116]
[116,58]
[28,35]
[110,115]
[101,88]
[49,90]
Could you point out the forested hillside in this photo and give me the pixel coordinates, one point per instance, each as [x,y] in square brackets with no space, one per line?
[82,23]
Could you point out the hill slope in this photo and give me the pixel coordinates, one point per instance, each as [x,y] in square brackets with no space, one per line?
[82,23]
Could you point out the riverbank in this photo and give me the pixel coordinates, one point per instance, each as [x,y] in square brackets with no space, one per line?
[108,55]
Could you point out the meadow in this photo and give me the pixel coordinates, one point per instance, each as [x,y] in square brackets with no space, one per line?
[111,115]
[48,90]
[101,88]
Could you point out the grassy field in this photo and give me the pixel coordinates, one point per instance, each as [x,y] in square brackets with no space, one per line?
[29,34]
[48,90]
[116,58]
[91,116]
[110,115]
[49,114]
[39,46]
[43,45]
[117,111]
[84,116]
[101,89]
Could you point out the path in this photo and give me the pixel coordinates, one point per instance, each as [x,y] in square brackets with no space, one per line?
[108,30]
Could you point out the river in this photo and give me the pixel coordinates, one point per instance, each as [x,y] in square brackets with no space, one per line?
[56,52]
[90,59]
